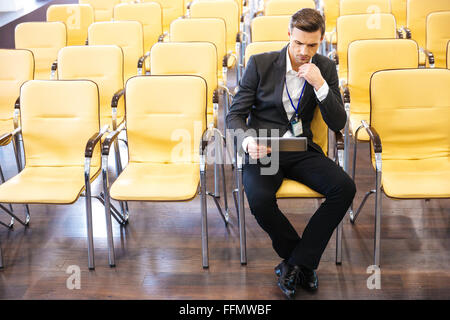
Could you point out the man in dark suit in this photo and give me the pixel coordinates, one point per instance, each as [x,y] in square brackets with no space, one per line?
[279,91]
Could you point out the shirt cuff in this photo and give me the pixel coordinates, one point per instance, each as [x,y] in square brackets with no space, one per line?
[322,93]
[245,143]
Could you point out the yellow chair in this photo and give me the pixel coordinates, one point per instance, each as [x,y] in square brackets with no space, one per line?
[103,9]
[437,36]
[44,39]
[398,8]
[200,59]
[290,188]
[128,35]
[263,46]
[59,123]
[364,59]
[448,55]
[148,14]
[287,7]
[16,67]
[76,17]
[416,16]
[380,26]
[411,156]
[270,28]
[330,12]
[104,66]
[160,167]
[228,11]
[171,10]
[211,30]
[364,6]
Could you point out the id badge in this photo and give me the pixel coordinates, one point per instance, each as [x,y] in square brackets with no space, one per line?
[296,127]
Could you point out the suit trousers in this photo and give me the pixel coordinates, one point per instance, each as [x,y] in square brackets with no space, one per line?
[316,171]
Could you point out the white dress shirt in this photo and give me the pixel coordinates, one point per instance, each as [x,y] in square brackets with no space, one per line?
[294,85]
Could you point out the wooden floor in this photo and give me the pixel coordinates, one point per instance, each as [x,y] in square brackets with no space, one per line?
[158,253]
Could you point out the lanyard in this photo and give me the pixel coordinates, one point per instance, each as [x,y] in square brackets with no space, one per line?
[299,99]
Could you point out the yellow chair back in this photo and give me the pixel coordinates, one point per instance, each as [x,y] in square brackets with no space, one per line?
[57,119]
[76,17]
[148,14]
[380,26]
[103,9]
[127,35]
[182,58]
[44,39]
[287,7]
[101,64]
[270,28]
[224,9]
[160,129]
[364,6]
[438,34]
[416,16]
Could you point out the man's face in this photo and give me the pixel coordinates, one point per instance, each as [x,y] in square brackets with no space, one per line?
[303,45]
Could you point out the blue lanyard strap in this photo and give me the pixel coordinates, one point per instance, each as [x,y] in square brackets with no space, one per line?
[299,99]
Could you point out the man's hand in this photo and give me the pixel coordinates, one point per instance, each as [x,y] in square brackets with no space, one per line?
[257,151]
[312,74]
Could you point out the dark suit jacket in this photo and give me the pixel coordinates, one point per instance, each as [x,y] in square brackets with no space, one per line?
[258,102]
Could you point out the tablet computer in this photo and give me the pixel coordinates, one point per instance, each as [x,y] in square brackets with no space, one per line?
[281,144]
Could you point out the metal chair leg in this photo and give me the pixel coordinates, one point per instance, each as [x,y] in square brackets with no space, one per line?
[90,233]
[17,153]
[205,257]
[241,214]
[119,169]
[109,234]
[378,207]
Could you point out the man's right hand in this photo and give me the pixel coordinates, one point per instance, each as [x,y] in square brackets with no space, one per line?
[257,151]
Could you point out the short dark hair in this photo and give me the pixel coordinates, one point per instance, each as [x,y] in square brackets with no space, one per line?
[307,19]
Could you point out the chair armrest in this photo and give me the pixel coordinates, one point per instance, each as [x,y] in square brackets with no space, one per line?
[141,62]
[110,138]
[374,137]
[54,69]
[334,56]
[258,13]
[163,36]
[429,55]
[345,92]
[406,31]
[116,98]
[92,142]
[339,140]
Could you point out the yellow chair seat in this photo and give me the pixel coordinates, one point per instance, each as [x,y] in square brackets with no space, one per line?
[145,181]
[355,122]
[49,185]
[293,189]
[427,178]
[6,126]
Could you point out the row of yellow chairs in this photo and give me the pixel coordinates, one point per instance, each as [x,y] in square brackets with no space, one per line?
[60,125]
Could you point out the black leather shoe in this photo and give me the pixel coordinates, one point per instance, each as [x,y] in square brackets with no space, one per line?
[308,279]
[288,278]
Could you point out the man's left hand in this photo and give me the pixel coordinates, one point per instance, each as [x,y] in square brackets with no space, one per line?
[312,74]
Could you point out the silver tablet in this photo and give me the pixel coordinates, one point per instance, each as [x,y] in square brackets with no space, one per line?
[284,144]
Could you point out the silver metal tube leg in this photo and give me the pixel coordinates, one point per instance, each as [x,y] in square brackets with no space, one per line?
[217,146]
[109,234]
[1,257]
[241,214]
[378,206]
[119,169]
[205,258]
[90,233]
